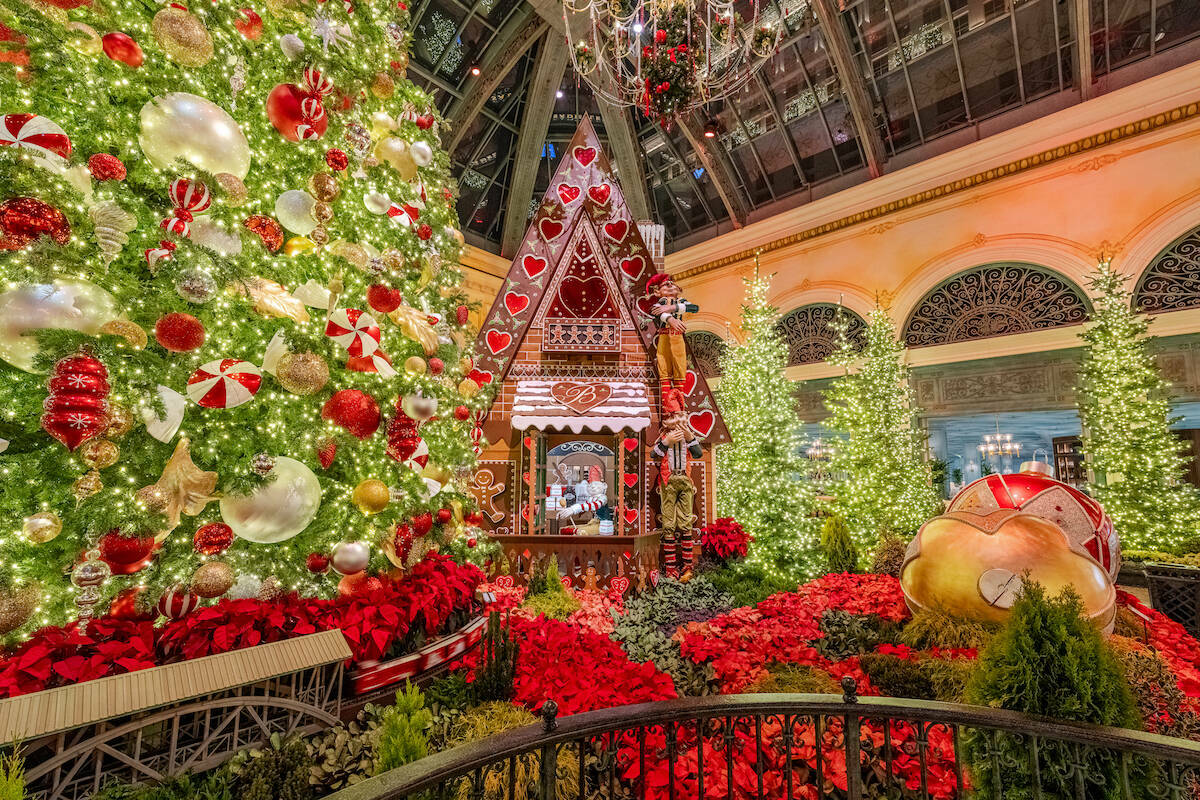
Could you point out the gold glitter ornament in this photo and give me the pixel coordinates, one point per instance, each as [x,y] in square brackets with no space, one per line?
[99,453]
[87,485]
[271,589]
[299,245]
[322,211]
[324,186]
[84,38]
[414,365]
[120,421]
[183,37]
[371,496]
[302,373]
[319,235]
[234,190]
[41,527]
[468,388]
[17,605]
[351,252]
[212,579]
[153,498]
[382,85]
[129,331]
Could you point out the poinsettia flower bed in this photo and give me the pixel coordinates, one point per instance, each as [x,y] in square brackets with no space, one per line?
[1172,642]
[725,539]
[432,594]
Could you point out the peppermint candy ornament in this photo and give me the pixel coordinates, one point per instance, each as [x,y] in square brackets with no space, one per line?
[189,198]
[177,602]
[354,330]
[224,383]
[35,133]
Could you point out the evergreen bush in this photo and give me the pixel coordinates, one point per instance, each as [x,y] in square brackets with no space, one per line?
[847,634]
[402,737]
[932,627]
[889,554]
[897,677]
[279,771]
[837,546]
[12,777]
[795,678]
[748,584]
[498,662]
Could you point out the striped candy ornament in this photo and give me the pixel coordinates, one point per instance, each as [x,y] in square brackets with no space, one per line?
[354,330]
[312,109]
[177,602]
[188,198]
[224,383]
[35,133]
[160,253]
[404,214]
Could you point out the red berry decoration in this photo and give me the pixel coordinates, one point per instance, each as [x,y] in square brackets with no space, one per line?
[24,219]
[462,314]
[126,555]
[106,167]
[179,332]
[422,523]
[354,410]
[317,563]
[249,23]
[436,365]
[177,602]
[424,232]
[462,413]
[121,47]
[270,231]
[444,515]
[383,299]
[326,452]
[337,159]
[76,409]
[213,538]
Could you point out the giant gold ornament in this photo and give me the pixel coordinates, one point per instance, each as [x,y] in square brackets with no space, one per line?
[414,365]
[120,420]
[468,388]
[276,511]
[299,245]
[131,332]
[99,453]
[973,565]
[183,37]
[41,527]
[189,127]
[395,152]
[371,496]
[67,304]
[212,579]
[187,489]
[302,373]
[17,605]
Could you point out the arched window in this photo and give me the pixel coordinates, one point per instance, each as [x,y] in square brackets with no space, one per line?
[1172,281]
[706,349]
[810,335]
[995,300]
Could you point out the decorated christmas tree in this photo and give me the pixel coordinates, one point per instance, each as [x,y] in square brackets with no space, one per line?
[882,481]
[232,339]
[1136,462]
[759,472]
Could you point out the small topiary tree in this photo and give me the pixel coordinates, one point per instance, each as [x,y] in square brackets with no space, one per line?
[838,547]
[888,557]
[403,738]
[12,777]
[498,663]
[1047,660]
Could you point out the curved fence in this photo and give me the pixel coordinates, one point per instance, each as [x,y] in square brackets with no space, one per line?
[798,747]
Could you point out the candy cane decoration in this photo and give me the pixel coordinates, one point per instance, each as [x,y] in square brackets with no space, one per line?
[160,253]
[188,198]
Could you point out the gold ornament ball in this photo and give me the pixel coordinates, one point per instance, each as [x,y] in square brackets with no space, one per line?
[153,498]
[302,373]
[84,38]
[99,453]
[455,234]
[17,606]
[298,245]
[87,486]
[322,211]
[212,579]
[319,235]
[371,496]
[393,260]
[41,527]
[270,589]
[120,421]
[183,37]
[382,85]
[468,388]
[465,364]
[352,252]
[129,331]
[234,189]
[414,365]
[324,186]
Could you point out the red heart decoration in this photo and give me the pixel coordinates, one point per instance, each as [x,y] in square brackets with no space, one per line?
[550,228]
[568,193]
[505,581]
[565,580]
[633,267]
[702,422]
[498,341]
[584,155]
[620,583]
[527,512]
[631,480]
[584,296]
[600,193]
[528,478]
[516,303]
[533,265]
[654,577]
[528,442]
[480,377]
[631,515]
[630,444]
[689,382]
[580,397]
[616,230]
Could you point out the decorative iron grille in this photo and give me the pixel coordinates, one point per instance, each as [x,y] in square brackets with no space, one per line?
[706,349]
[810,334]
[1172,281]
[995,300]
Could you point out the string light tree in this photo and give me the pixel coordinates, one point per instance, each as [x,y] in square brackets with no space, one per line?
[1136,462]
[757,473]
[883,482]
[229,238]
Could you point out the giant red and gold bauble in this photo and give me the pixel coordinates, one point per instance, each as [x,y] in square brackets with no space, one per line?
[1034,491]
[76,409]
[972,565]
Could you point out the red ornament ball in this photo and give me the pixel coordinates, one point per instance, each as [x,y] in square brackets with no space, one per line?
[337,159]
[106,167]
[213,538]
[358,583]
[462,413]
[317,563]
[125,555]
[121,47]
[424,232]
[177,602]
[270,231]
[249,23]
[422,523]
[660,36]
[474,518]
[285,109]
[126,606]
[462,314]
[444,515]
[425,121]
[471,542]
[383,299]
[354,410]
[436,365]
[179,332]
[24,219]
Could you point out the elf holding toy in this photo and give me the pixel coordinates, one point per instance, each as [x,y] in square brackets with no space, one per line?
[667,312]
[677,444]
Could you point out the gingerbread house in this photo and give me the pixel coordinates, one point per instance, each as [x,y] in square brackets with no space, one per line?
[568,470]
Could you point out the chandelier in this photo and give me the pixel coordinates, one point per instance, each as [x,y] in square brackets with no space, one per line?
[999,444]
[668,57]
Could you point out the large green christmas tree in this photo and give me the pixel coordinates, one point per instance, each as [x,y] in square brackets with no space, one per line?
[227,240]
[882,480]
[1136,462]
[760,473]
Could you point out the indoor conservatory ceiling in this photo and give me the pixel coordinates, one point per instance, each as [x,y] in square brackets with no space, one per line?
[857,88]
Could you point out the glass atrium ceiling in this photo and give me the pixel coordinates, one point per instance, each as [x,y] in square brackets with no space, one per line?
[931,75]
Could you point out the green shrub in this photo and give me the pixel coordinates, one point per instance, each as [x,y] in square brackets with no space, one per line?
[797,678]
[889,554]
[1187,557]
[931,628]
[12,777]
[1048,660]
[897,677]
[345,754]
[846,635]
[447,697]
[279,771]
[214,786]
[948,677]
[748,584]
[402,738]
[489,719]
[552,605]
[498,663]
[838,547]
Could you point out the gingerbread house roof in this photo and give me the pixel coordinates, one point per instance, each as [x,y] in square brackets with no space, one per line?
[584,202]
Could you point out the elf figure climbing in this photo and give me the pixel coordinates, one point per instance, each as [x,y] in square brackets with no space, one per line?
[667,311]
[677,444]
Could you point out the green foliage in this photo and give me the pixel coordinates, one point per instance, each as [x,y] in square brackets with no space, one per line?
[757,472]
[547,596]
[345,754]
[12,777]
[948,677]
[1187,559]
[278,772]
[838,547]
[889,554]
[931,628]
[795,678]
[402,737]
[897,677]
[879,447]
[1048,660]
[1137,462]
[846,634]
[448,697]
[748,584]
[498,663]
[490,719]
[214,786]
